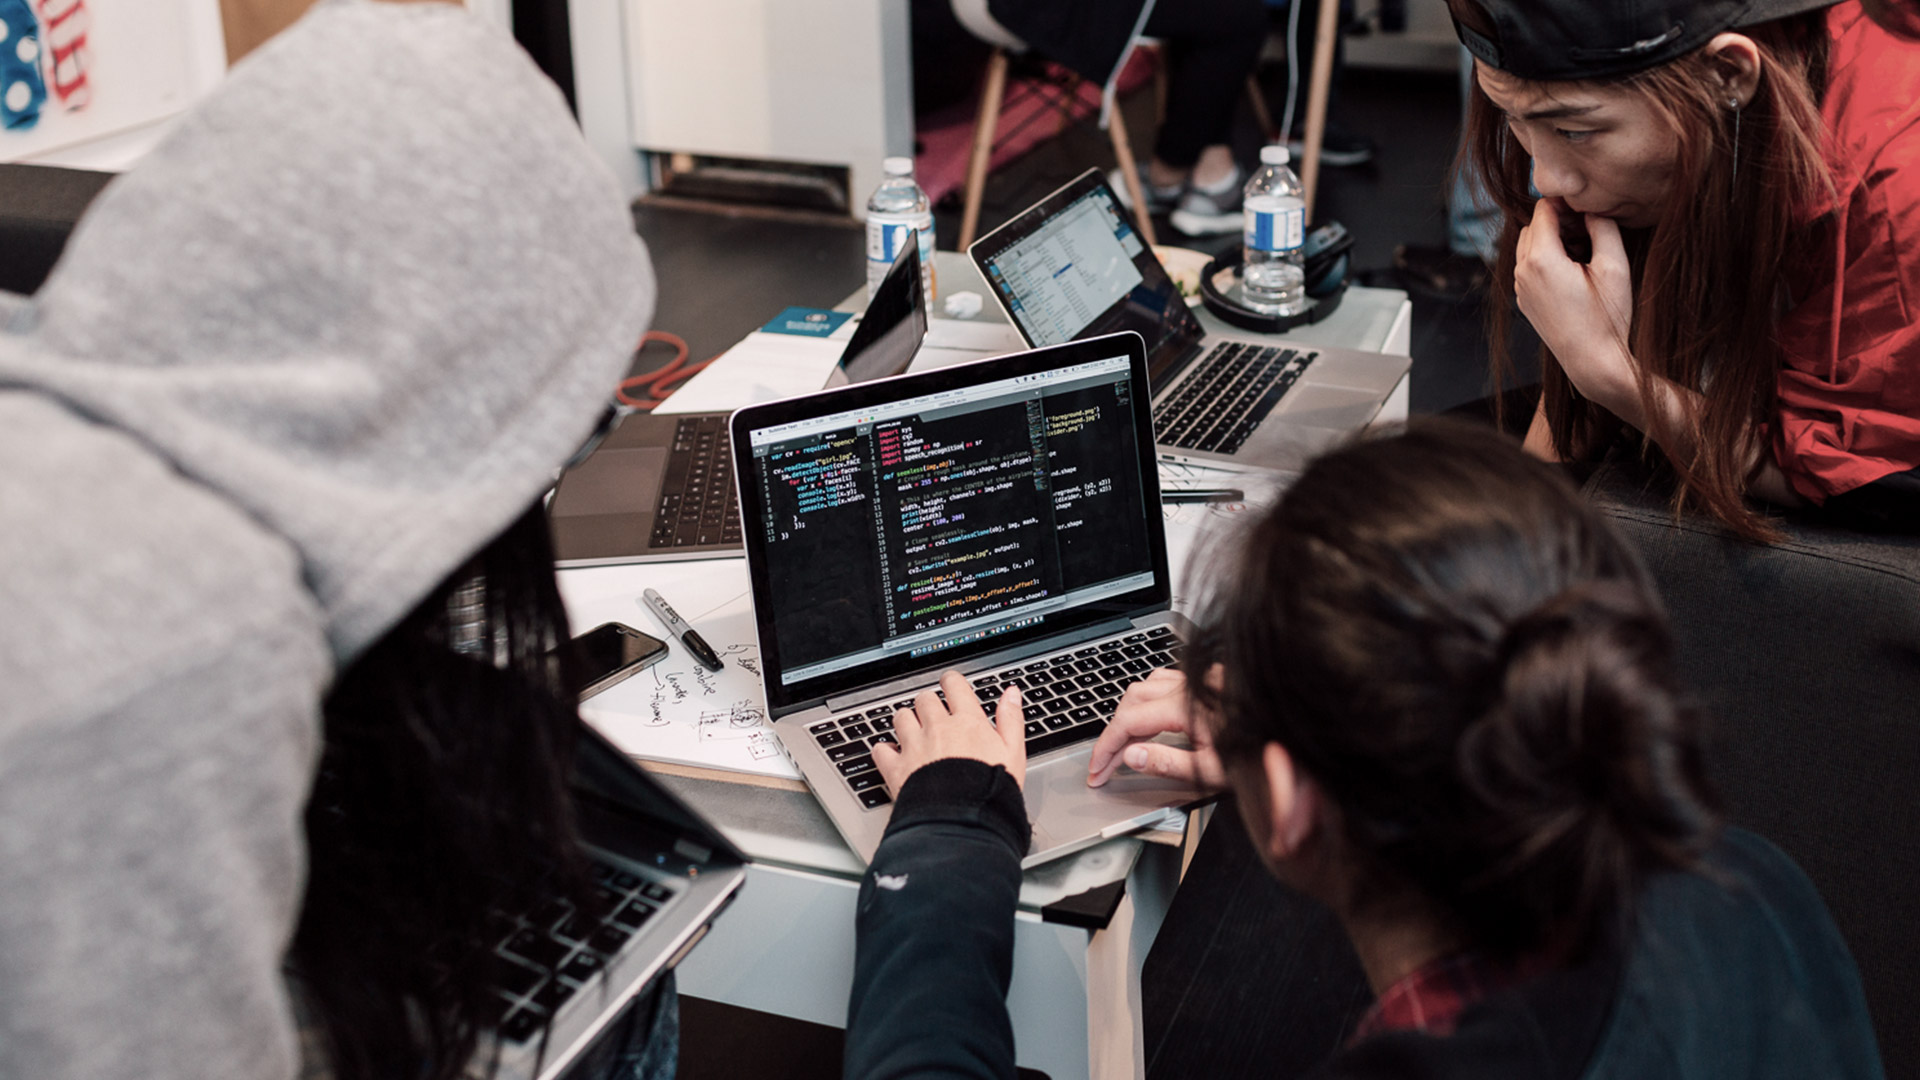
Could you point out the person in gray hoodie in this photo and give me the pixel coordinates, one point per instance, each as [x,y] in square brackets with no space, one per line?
[325,343]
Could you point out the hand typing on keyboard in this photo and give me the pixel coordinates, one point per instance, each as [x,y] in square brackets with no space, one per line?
[1157,704]
[932,730]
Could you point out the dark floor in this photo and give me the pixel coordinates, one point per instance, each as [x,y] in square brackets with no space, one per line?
[723,274]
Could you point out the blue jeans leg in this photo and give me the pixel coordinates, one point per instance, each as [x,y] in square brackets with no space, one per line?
[642,1043]
[654,1051]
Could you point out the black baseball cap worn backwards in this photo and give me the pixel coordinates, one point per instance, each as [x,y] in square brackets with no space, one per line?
[1559,40]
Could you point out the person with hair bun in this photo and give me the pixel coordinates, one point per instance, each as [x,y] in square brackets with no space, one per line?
[1440,690]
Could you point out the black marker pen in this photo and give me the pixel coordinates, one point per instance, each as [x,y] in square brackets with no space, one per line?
[678,627]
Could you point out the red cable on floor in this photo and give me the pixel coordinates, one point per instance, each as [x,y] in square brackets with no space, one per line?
[662,382]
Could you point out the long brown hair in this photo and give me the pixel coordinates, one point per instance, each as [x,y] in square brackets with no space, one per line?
[1707,276]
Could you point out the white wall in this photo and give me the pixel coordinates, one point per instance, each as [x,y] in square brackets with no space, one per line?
[817,81]
[600,93]
[500,11]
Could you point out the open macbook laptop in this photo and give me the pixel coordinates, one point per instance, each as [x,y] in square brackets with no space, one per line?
[1001,517]
[1072,266]
[661,876]
[661,487]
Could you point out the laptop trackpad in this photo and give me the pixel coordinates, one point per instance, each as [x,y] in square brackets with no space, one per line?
[1065,810]
[1329,407]
[613,481]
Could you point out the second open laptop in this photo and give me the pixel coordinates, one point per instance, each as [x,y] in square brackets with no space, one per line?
[1072,266]
[1001,517]
[660,487]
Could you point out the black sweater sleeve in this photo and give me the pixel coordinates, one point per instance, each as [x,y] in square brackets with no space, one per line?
[934,936]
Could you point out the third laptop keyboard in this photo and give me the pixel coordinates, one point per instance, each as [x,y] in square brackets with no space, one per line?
[1066,698]
[545,957]
[1230,391]
[697,502]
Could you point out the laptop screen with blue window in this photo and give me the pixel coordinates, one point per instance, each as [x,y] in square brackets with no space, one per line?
[1073,267]
[1070,272]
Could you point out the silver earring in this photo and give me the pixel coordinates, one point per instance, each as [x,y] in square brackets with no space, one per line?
[1733,184]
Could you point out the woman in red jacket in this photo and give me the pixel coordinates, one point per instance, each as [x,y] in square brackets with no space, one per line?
[1748,183]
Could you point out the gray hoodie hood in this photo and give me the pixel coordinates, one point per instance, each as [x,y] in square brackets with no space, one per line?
[377,332]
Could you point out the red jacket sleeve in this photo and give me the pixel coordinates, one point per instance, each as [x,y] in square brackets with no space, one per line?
[1849,393]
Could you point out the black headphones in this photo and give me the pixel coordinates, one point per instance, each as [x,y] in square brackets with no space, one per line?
[1326,267]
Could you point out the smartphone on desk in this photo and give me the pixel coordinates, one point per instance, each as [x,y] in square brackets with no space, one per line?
[610,653]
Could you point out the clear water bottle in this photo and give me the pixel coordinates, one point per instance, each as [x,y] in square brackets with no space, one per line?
[1273,265]
[897,212]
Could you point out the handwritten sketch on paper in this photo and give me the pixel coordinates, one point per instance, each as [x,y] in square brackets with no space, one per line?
[678,711]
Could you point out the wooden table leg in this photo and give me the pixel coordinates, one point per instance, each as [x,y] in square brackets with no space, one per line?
[983,128]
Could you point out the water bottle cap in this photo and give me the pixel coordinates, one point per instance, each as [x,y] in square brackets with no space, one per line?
[1274,155]
[897,166]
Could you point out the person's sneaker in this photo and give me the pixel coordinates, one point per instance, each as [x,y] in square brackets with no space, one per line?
[1159,199]
[1440,271]
[1211,210]
[1339,148]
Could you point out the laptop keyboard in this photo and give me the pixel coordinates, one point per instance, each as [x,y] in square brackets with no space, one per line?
[697,503]
[1066,699]
[1230,391]
[546,957]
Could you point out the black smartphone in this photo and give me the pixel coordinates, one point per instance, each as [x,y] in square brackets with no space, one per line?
[611,652]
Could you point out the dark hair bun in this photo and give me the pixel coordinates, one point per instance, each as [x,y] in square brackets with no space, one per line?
[1583,771]
[1475,671]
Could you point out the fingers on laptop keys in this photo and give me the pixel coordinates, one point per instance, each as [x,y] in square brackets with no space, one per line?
[956,727]
[897,762]
[1153,706]
[1012,729]
[1158,705]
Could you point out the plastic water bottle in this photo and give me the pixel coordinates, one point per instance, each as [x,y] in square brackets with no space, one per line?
[1273,264]
[897,212]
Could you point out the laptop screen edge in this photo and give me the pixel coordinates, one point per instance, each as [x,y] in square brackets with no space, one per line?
[1164,355]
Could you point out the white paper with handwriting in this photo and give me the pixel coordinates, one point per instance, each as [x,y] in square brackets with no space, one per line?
[678,711]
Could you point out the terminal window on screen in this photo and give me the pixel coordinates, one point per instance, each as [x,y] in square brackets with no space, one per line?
[920,532]
[1065,275]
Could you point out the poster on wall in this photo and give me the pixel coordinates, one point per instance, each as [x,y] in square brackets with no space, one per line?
[76,71]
